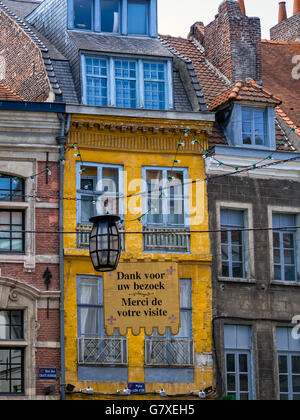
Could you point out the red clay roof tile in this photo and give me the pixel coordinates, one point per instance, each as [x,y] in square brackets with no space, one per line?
[7,94]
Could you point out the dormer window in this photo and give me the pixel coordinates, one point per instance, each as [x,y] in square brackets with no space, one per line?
[127,82]
[124,17]
[249,127]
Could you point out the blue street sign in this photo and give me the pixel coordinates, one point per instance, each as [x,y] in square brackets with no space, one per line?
[137,387]
[48,373]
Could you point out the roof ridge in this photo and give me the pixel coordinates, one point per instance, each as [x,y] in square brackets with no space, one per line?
[44,50]
[271,41]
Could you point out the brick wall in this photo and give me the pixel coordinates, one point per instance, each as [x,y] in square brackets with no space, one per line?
[25,72]
[288,30]
[232,43]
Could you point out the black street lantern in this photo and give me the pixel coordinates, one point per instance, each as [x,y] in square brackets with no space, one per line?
[105,242]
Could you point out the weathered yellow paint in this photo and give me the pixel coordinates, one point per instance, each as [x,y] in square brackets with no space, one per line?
[197,265]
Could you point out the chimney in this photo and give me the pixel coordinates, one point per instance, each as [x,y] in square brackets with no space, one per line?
[282,12]
[296,7]
[287,29]
[232,43]
[242,7]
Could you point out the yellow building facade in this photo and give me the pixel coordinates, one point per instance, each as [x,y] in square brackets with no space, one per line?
[135,150]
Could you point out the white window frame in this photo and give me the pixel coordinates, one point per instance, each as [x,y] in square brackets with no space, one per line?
[248,240]
[99,167]
[283,210]
[165,169]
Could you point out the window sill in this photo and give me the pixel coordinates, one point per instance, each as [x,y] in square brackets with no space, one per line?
[104,365]
[170,366]
[285,283]
[13,343]
[236,280]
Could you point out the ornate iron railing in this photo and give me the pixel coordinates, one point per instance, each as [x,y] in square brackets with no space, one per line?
[167,239]
[162,352]
[104,351]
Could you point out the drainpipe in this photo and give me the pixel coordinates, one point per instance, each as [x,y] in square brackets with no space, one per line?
[62,141]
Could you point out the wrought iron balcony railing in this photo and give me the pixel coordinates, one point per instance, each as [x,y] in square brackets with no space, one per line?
[102,351]
[167,239]
[176,352]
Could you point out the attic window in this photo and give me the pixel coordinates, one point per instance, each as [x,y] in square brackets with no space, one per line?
[122,17]
[110,16]
[254,126]
[138,12]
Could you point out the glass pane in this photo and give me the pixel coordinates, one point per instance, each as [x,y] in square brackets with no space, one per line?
[290,273]
[246,115]
[230,362]
[236,237]
[247,138]
[237,253]
[277,256]
[296,364]
[276,240]
[243,363]
[225,269]
[244,397]
[288,240]
[16,245]
[289,257]
[283,383]
[137,17]
[89,292]
[296,383]
[237,270]
[283,366]
[88,208]
[231,382]
[284,397]
[110,16]
[4,332]
[4,385]
[224,237]
[83,14]
[243,382]
[16,386]
[277,272]
[4,218]
[90,321]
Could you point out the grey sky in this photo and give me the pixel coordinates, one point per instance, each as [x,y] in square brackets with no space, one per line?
[175,17]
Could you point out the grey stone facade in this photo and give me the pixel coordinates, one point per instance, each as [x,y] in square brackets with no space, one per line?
[258,302]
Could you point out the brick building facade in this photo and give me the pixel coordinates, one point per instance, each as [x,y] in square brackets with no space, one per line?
[29,252]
